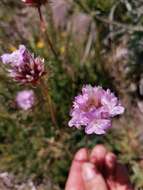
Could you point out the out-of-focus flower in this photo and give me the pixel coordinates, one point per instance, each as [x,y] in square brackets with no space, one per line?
[23,67]
[15,58]
[12,48]
[25,99]
[62,50]
[94,108]
[40,44]
[35,3]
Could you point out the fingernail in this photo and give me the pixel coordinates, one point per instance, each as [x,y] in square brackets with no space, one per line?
[88,171]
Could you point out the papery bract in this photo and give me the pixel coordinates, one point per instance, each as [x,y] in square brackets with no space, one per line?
[94,109]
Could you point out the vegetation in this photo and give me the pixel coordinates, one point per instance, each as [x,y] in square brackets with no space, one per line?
[97,42]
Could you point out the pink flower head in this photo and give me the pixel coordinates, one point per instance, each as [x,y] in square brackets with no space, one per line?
[94,109]
[23,67]
[15,58]
[25,99]
[36,3]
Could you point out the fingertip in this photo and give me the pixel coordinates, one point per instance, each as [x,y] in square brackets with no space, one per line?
[75,178]
[98,154]
[110,160]
[81,155]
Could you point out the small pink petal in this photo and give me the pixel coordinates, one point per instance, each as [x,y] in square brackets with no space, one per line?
[98,127]
[117,110]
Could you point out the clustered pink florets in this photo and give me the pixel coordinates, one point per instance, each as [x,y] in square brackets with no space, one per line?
[94,109]
[25,99]
[23,67]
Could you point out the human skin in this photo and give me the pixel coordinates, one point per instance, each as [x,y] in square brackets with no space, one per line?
[98,170]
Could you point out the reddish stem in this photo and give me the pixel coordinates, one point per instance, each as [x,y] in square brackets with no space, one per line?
[43,28]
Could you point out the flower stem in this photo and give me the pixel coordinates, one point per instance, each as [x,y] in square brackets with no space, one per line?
[51,46]
[49,102]
[43,29]
[42,22]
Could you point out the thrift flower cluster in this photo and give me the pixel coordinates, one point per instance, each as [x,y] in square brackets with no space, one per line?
[25,99]
[23,67]
[94,109]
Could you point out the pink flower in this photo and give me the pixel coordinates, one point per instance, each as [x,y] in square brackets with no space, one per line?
[23,67]
[25,99]
[15,58]
[94,109]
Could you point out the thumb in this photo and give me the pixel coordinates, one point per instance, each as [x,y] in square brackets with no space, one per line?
[93,180]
